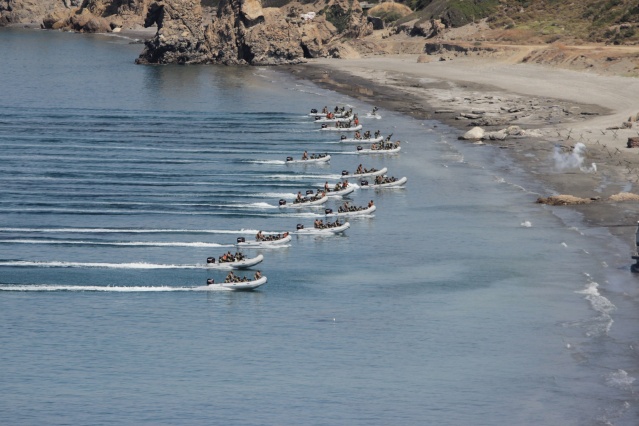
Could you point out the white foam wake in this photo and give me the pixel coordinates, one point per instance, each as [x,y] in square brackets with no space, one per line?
[61,264]
[120,243]
[130,231]
[95,288]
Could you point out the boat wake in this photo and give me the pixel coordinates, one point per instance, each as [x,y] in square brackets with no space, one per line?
[95,288]
[130,230]
[118,243]
[131,265]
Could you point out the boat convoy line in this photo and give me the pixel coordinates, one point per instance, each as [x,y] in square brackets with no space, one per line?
[344,121]
[338,120]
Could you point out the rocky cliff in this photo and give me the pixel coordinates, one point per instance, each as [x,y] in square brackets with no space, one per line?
[31,11]
[243,32]
[75,15]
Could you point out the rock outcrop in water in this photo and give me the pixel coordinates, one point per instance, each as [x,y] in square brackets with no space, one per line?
[243,32]
[180,37]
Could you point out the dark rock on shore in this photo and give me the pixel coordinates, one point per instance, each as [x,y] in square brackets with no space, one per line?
[243,32]
[180,36]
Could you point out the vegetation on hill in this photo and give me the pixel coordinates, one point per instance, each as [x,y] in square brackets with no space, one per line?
[612,21]
[390,11]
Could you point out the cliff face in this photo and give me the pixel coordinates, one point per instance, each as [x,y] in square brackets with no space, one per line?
[31,11]
[180,36]
[243,32]
[75,15]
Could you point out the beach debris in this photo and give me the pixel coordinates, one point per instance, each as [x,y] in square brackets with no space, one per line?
[633,142]
[563,200]
[624,196]
[476,133]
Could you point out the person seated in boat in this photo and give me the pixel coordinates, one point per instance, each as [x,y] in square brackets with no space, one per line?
[229,278]
[299,197]
[259,236]
[257,275]
[336,109]
[359,170]
[345,184]
[374,147]
[284,235]
[370,204]
[239,256]
[337,187]
[367,134]
[317,223]
[325,110]
[378,134]
[378,180]
[326,187]
[396,145]
[358,135]
[305,156]
[355,120]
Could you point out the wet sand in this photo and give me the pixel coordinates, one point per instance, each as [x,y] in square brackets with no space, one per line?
[560,108]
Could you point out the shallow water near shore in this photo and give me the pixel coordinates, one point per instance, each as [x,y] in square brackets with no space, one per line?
[460,302]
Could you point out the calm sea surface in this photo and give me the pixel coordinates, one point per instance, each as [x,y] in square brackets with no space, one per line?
[461,302]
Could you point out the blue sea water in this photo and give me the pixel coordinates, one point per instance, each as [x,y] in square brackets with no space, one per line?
[460,302]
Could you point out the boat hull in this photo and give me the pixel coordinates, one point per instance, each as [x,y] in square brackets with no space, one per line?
[363,175]
[242,264]
[310,160]
[266,244]
[341,192]
[354,140]
[354,213]
[241,286]
[324,231]
[398,182]
[305,204]
[379,151]
[342,129]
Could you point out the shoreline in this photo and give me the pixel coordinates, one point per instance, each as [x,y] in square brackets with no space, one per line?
[582,109]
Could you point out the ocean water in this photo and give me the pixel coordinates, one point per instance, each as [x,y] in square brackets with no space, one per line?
[459,302]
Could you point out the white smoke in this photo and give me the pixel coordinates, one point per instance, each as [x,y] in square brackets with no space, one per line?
[573,160]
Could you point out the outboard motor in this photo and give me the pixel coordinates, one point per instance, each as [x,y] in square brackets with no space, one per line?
[210,281]
[241,239]
[324,126]
[210,260]
[282,202]
[328,211]
[313,111]
[359,147]
[317,117]
[342,137]
[344,172]
[300,226]
[289,158]
[309,191]
[363,183]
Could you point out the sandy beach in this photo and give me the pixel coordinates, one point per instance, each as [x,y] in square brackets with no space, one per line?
[557,110]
